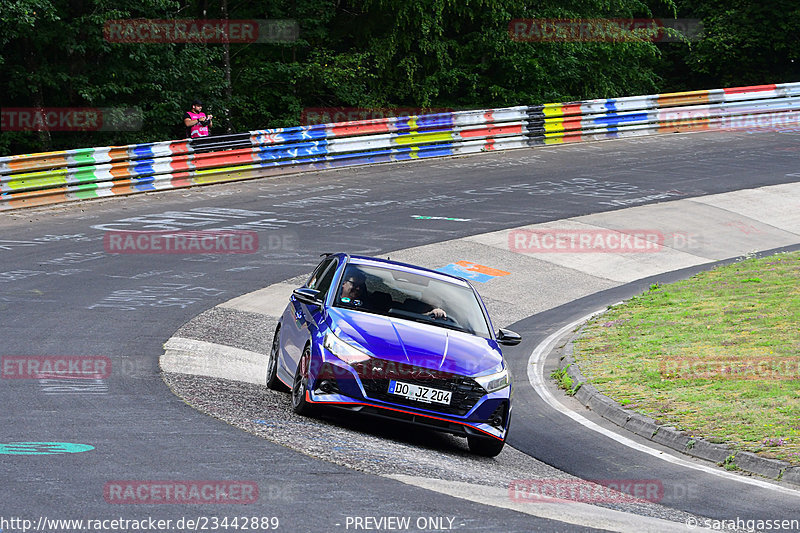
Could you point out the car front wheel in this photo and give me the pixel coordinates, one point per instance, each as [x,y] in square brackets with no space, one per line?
[299,403]
[272,364]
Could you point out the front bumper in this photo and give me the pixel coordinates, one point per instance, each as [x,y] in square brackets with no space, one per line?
[472,412]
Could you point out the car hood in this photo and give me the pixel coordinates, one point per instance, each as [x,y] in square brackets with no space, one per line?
[414,343]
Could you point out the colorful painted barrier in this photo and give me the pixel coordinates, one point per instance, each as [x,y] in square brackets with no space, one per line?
[46,178]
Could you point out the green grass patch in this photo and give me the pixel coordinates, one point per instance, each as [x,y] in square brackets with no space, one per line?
[717,355]
[565,381]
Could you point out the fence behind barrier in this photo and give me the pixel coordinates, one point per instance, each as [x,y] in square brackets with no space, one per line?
[53,177]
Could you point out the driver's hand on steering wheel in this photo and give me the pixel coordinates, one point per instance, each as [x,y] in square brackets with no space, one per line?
[437,313]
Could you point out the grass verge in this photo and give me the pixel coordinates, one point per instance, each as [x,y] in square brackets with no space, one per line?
[717,355]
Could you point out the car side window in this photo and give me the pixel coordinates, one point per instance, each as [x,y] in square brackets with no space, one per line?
[313,281]
[325,280]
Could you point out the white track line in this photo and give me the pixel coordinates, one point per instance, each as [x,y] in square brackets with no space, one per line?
[536,378]
[564,511]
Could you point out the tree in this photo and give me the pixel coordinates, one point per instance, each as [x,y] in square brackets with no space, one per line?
[55,55]
[744,43]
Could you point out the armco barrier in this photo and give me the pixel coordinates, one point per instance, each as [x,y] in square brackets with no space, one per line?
[46,178]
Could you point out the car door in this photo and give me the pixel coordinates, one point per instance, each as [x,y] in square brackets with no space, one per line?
[301,320]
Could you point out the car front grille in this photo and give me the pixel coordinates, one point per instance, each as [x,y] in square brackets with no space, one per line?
[376,374]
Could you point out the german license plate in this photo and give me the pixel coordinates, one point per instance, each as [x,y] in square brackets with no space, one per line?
[419,393]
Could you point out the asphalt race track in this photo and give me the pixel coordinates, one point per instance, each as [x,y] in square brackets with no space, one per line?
[62,294]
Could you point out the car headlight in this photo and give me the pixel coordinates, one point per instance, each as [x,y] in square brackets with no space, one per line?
[494,382]
[344,351]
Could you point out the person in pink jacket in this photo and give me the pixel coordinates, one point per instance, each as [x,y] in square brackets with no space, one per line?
[197,123]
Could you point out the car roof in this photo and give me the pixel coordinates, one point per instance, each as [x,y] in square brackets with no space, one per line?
[405,267]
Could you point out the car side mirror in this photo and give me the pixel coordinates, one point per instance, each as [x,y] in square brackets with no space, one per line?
[308,296]
[508,337]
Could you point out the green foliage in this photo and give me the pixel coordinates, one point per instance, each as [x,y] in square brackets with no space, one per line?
[55,55]
[452,53]
[364,53]
[729,463]
[564,381]
[744,43]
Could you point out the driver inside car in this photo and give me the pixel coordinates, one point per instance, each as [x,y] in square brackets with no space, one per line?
[354,288]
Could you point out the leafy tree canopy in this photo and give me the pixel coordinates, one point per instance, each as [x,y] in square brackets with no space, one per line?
[365,53]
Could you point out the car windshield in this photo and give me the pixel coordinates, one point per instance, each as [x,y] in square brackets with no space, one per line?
[417,297]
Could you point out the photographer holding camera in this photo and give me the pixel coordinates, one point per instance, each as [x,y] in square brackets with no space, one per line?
[197,123]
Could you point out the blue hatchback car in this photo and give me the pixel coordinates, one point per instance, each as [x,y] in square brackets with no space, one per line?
[398,341]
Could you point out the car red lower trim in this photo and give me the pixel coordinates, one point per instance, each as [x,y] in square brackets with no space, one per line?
[308,398]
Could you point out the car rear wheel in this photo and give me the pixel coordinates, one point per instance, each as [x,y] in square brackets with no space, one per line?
[485,446]
[272,364]
[299,403]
